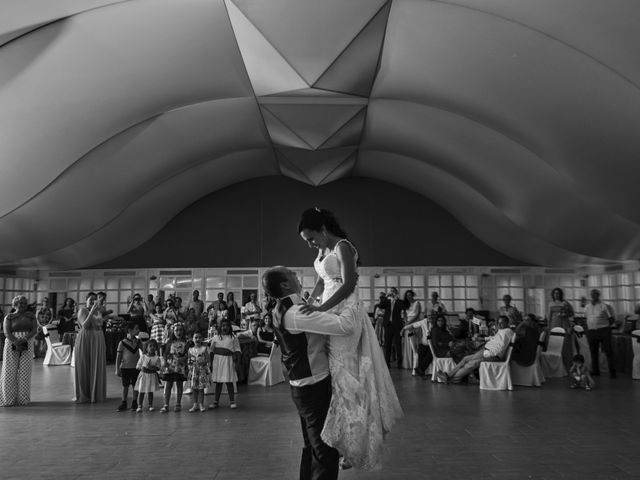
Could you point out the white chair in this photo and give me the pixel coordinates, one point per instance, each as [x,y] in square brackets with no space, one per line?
[266,371]
[635,343]
[551,360]
[444,364]
[496,375]
[581,345]
[530,376]
[57,354]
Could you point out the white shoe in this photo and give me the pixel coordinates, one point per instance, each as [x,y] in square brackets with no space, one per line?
[194,408]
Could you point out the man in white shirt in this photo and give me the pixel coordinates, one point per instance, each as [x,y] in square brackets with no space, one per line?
[302,339]
[492,351]
[599,322]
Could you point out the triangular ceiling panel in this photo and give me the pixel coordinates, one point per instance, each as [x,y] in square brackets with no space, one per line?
[354,70]
[289,170]
[349,134]
[314,123]
[342,170]
[316,165]
[309,92]
[268,71]
[280,134]
[310,34]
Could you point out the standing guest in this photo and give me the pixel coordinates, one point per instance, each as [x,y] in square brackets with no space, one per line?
[66,317]
[44,315]
[599,322]
[171,317]
[127,357]
[393,327]
[436,307]
[2,336]
[233,309]
[19,326]
[175,371]
[199,372]
[561,315]
[137,310]
[214,305]
[266,335]
[158,327]
[509,311]
[413,312]
[221,313]
[149,365]
[379,316]
[251,308]
[150,304]
[225,351]
[91,361]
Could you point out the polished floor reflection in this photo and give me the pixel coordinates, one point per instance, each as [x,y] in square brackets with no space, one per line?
[449,432]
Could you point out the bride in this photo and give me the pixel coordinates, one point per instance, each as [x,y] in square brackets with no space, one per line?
[364,404]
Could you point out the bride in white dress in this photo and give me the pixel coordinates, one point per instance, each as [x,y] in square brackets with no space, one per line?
[364,405]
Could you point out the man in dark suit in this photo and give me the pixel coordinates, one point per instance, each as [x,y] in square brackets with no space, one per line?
[393,323]
[302,338]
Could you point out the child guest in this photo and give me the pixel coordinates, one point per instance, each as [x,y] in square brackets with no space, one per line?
[175,370]
[127,357]
[579,374]
[158,327]
[225,350]
[149,365]
[199,372]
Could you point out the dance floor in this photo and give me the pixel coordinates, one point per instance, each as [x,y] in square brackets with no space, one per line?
[449,432]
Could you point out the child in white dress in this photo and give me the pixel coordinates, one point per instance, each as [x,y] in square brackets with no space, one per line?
[225,351]
[149,365]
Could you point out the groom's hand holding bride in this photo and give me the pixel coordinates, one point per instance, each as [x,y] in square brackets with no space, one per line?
[308,308]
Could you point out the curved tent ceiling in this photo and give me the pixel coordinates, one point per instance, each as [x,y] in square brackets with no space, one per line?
[520,118]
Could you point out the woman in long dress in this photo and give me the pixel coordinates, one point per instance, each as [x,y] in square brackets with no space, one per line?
[90,350]
[20,326]
[561,315]
[364,405]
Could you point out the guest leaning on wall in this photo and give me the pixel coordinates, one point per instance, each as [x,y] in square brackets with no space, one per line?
[20,326]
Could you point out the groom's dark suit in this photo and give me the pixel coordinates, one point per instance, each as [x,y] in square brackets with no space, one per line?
[302,338]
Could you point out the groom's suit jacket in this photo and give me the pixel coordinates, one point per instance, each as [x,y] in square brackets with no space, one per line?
[394,317]
[303,341]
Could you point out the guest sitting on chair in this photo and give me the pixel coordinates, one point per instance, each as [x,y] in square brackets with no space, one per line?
[525,344]
[492,351]
[266,335]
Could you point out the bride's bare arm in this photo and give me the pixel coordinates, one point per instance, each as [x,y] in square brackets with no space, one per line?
[317,290]
[345,254]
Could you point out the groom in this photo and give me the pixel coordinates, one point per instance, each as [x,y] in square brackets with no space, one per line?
[302,338]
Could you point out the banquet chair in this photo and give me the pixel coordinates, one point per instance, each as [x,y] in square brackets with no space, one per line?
[530,376]
[57,354]
[551,360]
[445,364]
[496,375]
[266,371]
[635,343]
[581,345]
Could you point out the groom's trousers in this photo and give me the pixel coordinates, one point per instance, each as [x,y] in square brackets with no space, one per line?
[319,461]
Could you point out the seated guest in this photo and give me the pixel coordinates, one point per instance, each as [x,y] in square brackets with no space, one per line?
[525,344]
[266,335]
[441,338]
[252,331]
[492,351]
[66,317]
[252,309]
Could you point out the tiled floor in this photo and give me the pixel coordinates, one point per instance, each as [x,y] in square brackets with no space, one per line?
[449,432]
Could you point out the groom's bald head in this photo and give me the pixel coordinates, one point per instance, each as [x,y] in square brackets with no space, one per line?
[279,282]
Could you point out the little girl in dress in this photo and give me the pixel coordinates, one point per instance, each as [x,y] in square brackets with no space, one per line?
[199,372]
[158,328]
[149,365]
[175,366]
[225,350]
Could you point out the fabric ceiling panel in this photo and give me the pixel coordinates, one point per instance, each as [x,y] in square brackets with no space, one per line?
[571,110]
[68,87]
[23,16]
[471,208]
[526,189]
[149,213]
[127,166]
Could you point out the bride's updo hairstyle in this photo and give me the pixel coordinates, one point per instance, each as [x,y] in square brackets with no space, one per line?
[315,218]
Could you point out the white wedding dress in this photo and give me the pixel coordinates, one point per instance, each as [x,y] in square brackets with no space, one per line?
[364,405]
